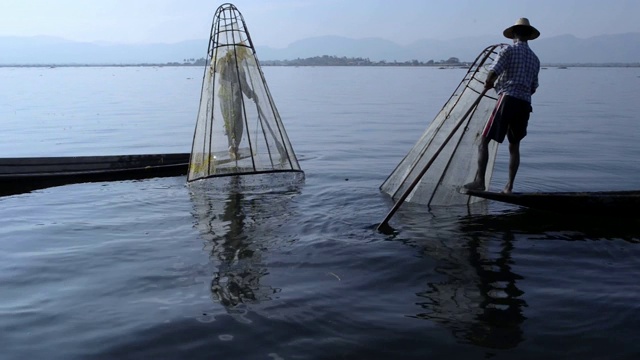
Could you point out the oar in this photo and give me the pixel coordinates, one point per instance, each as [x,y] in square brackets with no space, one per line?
[384,225]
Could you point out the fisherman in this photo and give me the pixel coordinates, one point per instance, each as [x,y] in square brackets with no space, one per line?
[233,83]
[514,74]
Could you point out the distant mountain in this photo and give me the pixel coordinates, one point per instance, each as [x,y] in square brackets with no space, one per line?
[374,48]
[379,49]
[51,50]
[621,48]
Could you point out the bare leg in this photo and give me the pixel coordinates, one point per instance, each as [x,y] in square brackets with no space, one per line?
[236,127]
[483,158]
[514,163]
[228,114]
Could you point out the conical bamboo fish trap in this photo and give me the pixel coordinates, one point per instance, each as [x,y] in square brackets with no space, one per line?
[238,129]
[446,155]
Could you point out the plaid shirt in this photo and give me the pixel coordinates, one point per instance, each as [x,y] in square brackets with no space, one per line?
[517,67]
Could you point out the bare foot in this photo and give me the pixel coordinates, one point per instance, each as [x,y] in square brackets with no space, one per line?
[475,185]
[508,188]
[233,154]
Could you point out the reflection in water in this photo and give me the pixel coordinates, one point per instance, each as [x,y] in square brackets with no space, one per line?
[478,298]
[236,215]
[238,277]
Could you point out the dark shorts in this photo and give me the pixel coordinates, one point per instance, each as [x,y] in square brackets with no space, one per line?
[510,118]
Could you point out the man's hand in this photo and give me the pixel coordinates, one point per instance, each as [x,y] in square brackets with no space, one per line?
[491,79]
[488,85]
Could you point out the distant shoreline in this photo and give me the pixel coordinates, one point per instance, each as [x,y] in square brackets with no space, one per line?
[267,64]
[324,60]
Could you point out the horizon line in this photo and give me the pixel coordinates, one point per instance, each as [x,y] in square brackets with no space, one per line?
[109,42]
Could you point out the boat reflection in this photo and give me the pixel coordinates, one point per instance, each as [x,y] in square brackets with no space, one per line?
[551,226]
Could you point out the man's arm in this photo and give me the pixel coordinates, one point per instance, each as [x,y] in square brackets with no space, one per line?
[497,67]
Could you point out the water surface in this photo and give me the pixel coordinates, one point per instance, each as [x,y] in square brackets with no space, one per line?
[263,269]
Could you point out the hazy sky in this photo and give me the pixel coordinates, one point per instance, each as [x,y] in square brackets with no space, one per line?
[277,23]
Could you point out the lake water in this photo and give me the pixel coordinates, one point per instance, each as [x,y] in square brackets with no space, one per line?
[156,269]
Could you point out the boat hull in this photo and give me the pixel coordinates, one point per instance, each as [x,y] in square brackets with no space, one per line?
[18,175]
[626,203]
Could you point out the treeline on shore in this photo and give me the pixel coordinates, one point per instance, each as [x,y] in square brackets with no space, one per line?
[328,60]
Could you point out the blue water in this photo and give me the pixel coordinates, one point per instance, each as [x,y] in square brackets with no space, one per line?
[254,269]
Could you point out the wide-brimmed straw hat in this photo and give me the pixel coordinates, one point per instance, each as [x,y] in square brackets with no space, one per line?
[521,23]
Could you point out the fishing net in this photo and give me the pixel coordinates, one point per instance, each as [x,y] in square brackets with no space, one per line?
[238,129]
[446,156]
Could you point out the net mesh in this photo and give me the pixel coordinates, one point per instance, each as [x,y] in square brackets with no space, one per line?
[446,155]
[238,129]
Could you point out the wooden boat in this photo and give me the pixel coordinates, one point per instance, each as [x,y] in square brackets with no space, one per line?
[625,203]
[18,175]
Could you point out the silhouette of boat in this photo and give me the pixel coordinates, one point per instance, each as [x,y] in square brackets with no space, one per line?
[24,174]
[614,203]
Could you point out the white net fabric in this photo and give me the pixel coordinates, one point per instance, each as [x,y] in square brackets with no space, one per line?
[238,129]
[446,155]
